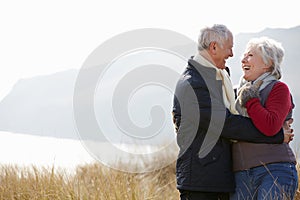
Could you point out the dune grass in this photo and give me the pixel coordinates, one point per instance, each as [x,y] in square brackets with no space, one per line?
[89,182]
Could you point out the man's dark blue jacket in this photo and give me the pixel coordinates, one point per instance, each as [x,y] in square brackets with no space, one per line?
[204,128]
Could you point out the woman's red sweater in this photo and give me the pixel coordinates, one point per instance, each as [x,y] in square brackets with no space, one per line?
[270,119]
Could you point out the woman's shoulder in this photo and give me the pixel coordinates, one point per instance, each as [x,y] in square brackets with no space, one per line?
[279,85]
[280,88]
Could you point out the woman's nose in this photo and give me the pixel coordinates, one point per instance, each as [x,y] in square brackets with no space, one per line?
[244,59]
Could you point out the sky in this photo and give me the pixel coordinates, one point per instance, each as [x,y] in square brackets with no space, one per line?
[43,37]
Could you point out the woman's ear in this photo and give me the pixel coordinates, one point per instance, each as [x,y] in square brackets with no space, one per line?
[268,68]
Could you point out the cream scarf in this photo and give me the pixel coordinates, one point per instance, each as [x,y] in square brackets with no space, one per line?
[227,89]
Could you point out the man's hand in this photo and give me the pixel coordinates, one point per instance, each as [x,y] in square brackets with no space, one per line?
[249,91]
[288,131]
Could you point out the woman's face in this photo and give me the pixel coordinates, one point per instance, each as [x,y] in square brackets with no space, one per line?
[253,65]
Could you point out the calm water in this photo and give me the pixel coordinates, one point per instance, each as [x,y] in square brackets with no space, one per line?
[28,150]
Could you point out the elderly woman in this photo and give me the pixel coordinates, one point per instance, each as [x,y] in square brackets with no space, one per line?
[264,171]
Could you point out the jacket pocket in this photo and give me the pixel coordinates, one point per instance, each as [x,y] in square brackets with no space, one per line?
[211,157]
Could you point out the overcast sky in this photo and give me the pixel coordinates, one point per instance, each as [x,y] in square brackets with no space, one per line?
[43,37]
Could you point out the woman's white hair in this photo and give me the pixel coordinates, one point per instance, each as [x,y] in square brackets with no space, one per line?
[271,52]
[217,33]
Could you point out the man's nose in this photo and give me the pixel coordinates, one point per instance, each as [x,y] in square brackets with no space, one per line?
[231,53]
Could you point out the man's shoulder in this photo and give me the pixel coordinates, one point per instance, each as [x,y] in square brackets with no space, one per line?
[203,72]
[191,78]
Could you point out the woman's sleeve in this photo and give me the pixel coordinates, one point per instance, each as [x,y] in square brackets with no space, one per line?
[269,119]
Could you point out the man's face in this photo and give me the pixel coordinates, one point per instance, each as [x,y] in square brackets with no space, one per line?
[222,53]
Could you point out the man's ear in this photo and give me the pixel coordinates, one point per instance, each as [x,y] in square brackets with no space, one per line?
[213,47]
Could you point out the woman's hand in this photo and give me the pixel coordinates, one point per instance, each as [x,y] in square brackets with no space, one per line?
[249,91]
